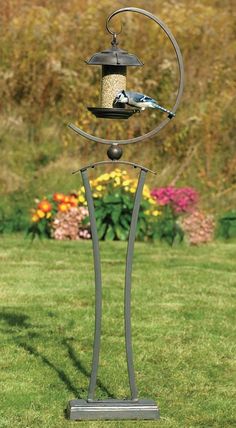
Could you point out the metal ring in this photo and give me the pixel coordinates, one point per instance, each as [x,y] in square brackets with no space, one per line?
[161,125]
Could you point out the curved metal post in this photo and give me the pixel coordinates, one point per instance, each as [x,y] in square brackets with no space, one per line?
[128,278]
[98,286]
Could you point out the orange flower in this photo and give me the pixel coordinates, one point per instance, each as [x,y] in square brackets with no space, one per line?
[58,197]
[44,206]
[63,207]
[73,201]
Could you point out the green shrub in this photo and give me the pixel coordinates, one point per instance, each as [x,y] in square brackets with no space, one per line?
[166,228]
[226,227]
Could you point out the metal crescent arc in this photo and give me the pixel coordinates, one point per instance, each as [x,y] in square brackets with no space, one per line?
[161,125]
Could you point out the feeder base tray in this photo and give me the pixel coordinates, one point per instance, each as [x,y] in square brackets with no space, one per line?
[112,409]
[112,113]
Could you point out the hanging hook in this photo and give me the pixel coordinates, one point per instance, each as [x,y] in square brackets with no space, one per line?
[113,33]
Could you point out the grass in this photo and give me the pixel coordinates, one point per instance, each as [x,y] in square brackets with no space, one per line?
[183,331]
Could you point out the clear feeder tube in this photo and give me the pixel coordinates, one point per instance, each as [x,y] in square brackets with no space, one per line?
[113,81]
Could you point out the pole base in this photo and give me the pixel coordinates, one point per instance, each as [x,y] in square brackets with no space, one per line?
[112,409]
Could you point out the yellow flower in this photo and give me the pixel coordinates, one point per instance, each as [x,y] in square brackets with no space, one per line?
[132,189]
[126,182]
[40,214]
[152,201]
[99,188]
[117,180]
[34,218]
[156,213]
[104,177]
[48,215]
[81,199]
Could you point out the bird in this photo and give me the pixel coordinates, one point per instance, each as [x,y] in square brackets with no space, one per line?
[141,101]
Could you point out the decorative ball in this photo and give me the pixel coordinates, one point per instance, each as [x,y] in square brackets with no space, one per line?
[114,152]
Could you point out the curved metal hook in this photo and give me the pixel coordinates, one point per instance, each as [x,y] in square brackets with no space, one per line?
[113,33]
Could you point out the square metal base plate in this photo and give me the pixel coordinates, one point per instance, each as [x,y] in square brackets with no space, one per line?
[112,409]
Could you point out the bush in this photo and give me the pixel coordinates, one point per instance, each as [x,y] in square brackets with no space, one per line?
[173,202]
[226,227]
[166,213]
[113,200]
[199,227]
[166,227]
[66,216]
[60,217]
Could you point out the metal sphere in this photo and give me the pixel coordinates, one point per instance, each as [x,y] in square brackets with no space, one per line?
[114,152]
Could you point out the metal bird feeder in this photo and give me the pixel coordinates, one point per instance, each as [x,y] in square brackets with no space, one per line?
[114,62]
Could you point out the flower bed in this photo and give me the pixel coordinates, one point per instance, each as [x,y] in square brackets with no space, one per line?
[166,213]
[62,216]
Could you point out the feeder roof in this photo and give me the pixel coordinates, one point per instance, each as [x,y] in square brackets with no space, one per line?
[114,56]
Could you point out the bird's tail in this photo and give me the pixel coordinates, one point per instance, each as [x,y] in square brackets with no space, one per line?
[170,113]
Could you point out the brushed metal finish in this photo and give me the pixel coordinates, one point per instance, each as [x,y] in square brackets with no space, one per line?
[98,286]
[112,409]
[128,279]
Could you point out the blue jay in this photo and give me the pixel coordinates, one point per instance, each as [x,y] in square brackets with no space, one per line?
[141,101]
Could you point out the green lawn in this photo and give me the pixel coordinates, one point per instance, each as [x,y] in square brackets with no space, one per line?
[183,320]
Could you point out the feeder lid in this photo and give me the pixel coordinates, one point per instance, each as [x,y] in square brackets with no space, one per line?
[114,56]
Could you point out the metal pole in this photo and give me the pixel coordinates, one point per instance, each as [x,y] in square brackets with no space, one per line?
[128,278]
[98,287]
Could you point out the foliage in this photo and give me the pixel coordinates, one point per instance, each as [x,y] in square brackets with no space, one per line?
[173,202]
[113,200]
[13,224]
[66,216]
[61,217]
[45,84]
[226,227]
[166,227]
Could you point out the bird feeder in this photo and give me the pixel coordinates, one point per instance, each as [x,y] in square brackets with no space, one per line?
[114,62]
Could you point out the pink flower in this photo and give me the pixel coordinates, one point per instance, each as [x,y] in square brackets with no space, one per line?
[181,199]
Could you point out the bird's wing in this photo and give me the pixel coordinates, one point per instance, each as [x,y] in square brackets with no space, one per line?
[137,97]
[146,99]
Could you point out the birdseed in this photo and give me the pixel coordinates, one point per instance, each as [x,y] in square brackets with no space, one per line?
[113,81]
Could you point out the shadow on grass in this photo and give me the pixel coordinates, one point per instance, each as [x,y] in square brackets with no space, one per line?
[19,320]
[15,320]
[61,374]
[78,365]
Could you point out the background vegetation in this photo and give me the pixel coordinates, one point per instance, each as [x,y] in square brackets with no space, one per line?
[44,84]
